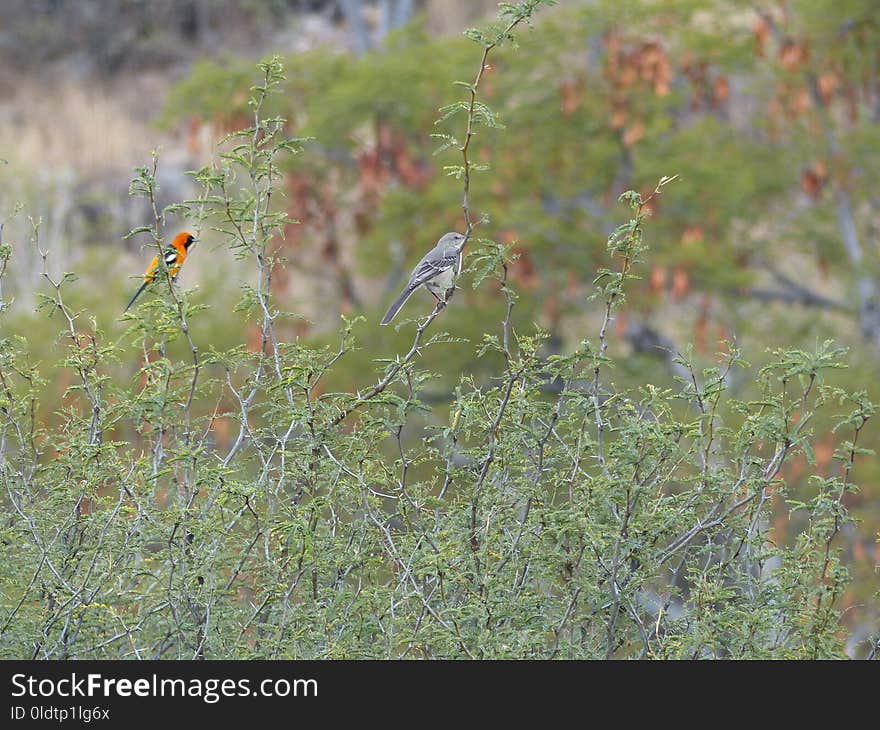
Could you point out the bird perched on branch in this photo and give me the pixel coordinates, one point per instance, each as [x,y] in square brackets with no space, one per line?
[437,270]
[174,256]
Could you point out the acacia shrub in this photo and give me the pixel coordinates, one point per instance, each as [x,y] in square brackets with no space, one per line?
[541,512]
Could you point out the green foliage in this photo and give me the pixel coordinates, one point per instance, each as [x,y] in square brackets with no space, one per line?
[231,502]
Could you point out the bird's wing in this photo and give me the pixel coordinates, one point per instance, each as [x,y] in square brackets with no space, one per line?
[171,255]
[436,262]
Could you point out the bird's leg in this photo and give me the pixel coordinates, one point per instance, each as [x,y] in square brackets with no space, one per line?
[441,303]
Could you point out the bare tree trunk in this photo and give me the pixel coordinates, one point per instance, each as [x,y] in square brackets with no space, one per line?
[866,286]
[403,11]
[353,10]
[390,14]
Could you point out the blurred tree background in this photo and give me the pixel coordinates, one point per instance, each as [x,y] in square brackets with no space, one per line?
[769,111]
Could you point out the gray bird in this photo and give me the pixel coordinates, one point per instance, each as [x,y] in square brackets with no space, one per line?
[437,271]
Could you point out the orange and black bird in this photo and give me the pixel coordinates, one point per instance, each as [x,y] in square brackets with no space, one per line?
[174,256]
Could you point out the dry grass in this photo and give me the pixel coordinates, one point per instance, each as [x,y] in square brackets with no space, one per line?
[52,128]
[71,147]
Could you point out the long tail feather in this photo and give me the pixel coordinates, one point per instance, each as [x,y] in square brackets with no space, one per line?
[136,295]
[399,302]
